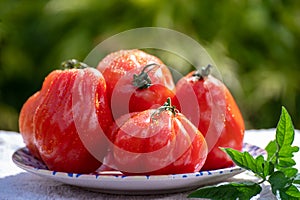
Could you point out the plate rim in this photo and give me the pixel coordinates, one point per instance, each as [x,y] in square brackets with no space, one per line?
[100,181]
[118,176]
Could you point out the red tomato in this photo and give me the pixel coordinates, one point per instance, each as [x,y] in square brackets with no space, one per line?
[157,141]
[135,81]
[216,115]
[26,123]
[71,119]
[136,92]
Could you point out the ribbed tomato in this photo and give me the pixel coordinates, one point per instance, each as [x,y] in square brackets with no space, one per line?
[69,119]
[136,81]
[157,141]
[215,113]
[26,126]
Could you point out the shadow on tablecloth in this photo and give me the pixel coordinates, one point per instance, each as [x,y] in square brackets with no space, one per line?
[28,186]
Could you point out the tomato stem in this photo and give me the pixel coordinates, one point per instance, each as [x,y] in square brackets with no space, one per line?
[73,64]
[167,106]
[142,80]
[203,72]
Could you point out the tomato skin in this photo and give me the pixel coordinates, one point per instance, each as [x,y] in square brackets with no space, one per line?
[219,118]
[166,144]
[26,124]
[127,98]
[118,69]
[65,126]
[150,98]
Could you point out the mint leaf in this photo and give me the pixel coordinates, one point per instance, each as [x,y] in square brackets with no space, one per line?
[230,191]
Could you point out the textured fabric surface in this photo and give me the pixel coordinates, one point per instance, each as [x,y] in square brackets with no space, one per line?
[16,183]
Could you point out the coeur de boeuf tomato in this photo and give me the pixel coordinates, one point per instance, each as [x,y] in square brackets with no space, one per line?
[136,81]
[26,123]
[66,121]
[157,141]
[216,115]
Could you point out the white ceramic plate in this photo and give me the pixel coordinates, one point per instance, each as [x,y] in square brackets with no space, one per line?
[114,182]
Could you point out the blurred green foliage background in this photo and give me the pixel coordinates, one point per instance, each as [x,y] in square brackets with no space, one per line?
[256,44]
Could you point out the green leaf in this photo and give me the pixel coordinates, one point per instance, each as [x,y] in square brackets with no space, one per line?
[293,191]
[290,193]
[263,167]
[258,166]
[288,151]
[285,129]
[285,162]
[289,172]
[272,150]
[281,152]
[230,191]
[297,179]
[242,159]
[278,181]
[277,169]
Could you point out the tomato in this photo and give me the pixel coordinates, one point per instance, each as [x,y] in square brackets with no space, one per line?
[26,124]
[136,92]
[216,115]
[157,141]
[71,118]
[136,81]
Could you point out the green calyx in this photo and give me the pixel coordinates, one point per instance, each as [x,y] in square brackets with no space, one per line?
[166,107]
[73,64]
[203,72]
[142,80]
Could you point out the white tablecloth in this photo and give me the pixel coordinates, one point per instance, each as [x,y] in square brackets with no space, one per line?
[16,183]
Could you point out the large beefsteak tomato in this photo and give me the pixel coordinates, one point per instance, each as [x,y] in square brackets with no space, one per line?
[67,120]
[136,81]
[157,141]
[216,115]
